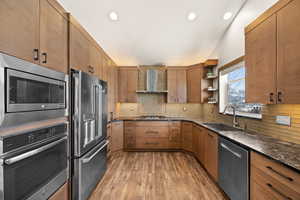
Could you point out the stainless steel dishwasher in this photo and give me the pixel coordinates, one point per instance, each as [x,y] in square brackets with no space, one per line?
[233,170]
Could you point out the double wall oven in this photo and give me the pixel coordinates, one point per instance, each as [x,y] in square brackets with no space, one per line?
[29,92]
[34,164]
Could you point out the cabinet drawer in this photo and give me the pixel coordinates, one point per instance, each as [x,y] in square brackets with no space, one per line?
[129,130]
[277,171]
[175,124]
[152,143]
[152,124]
[129,124]
[271,186]
[150,132]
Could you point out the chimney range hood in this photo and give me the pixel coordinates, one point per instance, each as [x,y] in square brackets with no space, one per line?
[154,81]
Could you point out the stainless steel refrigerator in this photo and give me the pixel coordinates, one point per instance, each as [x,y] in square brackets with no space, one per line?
[88,142]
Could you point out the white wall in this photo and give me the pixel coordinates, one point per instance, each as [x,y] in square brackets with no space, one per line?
[231,45]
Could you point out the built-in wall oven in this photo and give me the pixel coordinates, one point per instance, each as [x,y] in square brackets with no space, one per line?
[29,92]
[34,164]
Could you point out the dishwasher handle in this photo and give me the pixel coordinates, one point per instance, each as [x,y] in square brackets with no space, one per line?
[230,150]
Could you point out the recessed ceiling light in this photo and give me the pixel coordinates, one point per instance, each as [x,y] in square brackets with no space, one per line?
[113,16]
[192,16]
[227,15]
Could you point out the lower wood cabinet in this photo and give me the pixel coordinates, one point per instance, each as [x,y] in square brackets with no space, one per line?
[151,135]
[271,180]
[211,153]
[116,136]
[61,193]
[199,143]
[187,136]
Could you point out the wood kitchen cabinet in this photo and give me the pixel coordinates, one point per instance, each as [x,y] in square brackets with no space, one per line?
[19,35]
[187,136]
[271,180]
[288,54]
[53,36]
[261,63]
[61,193]
[211,153]
[177,85]
[272,56]
[195,84]
[36,31]
[127,85]
[175,134]
[199,143]
[116,136]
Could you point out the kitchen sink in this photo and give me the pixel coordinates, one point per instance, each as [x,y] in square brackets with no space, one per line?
[221,127]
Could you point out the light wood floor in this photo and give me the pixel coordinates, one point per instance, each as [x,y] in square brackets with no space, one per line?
[155,176]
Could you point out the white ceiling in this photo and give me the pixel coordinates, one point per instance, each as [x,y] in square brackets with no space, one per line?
[155,31]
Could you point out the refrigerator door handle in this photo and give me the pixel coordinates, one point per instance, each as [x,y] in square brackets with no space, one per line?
[86,160]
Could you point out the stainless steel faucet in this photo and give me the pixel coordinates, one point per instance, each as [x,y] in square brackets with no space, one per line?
[235,123]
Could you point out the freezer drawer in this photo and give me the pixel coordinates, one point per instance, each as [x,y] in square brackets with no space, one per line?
[88,171]
[233,170]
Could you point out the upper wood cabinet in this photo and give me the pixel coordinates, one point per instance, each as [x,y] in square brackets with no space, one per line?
[195,84]
[273,57]
[19,35]
[36,31]
[127,85]
[288,44]
[177,85]
[53,36]
[261,63]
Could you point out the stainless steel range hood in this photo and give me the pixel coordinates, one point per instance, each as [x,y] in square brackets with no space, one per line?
[155,81]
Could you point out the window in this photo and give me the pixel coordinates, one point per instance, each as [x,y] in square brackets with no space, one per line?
[232,92]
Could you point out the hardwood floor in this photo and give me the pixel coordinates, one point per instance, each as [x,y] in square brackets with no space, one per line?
[156,176]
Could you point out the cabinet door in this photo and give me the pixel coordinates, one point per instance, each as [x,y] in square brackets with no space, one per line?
[174,137]
[132,79]
[19,22]
[187,136]
[288,72]
[122,79]
[93,67]
[172,85]
[194,77]
[79,50]
[117,136]
[105,66]
[260,58]
[181,86]
[211,154]
[53,37]
[196,141]
[61,194]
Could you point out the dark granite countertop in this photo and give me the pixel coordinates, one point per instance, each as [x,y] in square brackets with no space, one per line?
[284,152]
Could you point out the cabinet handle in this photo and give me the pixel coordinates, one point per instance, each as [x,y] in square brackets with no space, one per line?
[278,192]
[45,58]
[153,143]
[279,173]
[35,54]
[152,132]
[271,97]
[279,97]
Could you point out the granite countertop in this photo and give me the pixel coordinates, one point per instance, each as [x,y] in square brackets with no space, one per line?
[284,152]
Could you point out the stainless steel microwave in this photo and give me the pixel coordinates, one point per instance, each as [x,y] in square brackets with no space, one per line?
[29,92]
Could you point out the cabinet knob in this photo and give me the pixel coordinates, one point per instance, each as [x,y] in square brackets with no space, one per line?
[35,54]
[271,97]
[45,58]
[279,97]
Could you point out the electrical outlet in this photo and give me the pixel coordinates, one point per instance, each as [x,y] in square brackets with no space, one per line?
[283,120]
[184,109]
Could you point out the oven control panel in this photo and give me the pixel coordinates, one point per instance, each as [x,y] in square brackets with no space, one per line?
[29,138]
